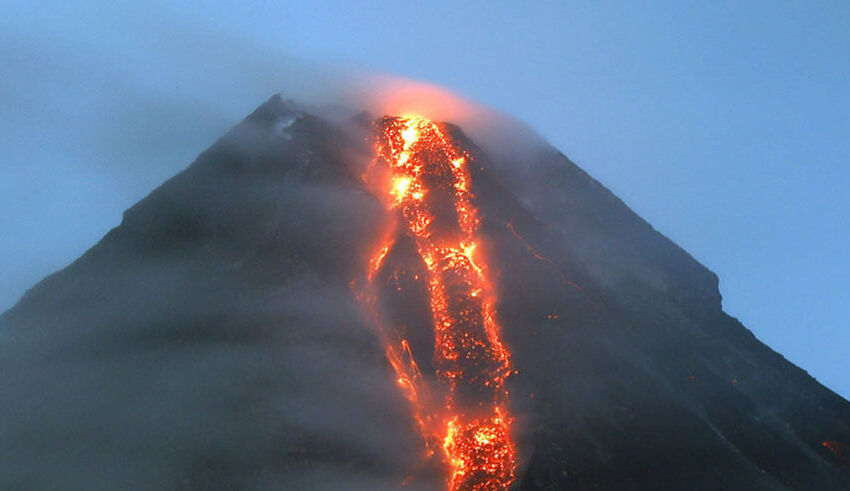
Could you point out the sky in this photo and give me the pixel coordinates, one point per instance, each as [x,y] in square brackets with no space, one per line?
[726,125]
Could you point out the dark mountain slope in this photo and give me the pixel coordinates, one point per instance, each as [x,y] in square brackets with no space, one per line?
[212,341]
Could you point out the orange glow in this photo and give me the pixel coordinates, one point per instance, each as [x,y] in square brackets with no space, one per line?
[386,94]
[427,183]
[836,449]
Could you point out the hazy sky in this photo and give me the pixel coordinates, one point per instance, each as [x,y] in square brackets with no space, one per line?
[726,126]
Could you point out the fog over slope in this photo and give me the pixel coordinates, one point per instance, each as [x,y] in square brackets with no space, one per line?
[212,340]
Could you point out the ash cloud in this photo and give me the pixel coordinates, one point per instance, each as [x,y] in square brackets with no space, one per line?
[103,103]
[204,394]
[151,371]
[146,364]
[211,340]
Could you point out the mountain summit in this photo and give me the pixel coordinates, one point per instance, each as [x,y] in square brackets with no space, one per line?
[271,319]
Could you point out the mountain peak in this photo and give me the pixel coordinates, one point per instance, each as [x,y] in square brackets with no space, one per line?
[273,109]
[215,340]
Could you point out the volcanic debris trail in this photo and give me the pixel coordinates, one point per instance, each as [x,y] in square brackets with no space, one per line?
[425,184]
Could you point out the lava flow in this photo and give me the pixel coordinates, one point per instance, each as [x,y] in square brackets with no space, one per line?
[425,183]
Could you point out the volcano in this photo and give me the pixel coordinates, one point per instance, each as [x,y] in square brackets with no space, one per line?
[380,303]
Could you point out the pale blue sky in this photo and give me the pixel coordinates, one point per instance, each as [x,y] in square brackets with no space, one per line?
[725,124]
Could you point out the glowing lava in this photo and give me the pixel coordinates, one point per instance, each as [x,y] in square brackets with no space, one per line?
[835,448]
[426,184]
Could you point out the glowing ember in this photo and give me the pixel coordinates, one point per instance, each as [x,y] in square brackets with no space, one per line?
[835,448]
[428,184]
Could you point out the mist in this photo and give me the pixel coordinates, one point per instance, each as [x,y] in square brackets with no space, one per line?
[133,370]
[210,341]
[99,114]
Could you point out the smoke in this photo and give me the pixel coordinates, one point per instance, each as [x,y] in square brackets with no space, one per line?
[178,396]
[155,372]
[103,103]
[211,341]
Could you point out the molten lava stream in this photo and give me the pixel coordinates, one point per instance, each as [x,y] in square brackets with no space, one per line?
[426,181]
